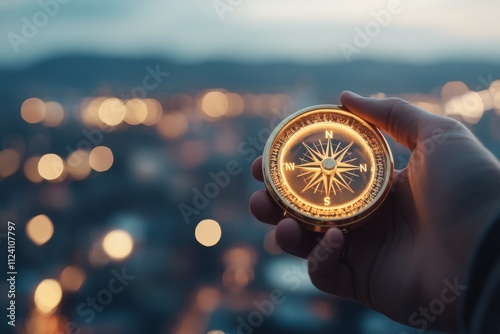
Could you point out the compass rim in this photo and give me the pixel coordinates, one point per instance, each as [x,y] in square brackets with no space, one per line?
[321,224]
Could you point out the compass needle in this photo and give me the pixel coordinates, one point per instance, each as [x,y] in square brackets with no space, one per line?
[325,185]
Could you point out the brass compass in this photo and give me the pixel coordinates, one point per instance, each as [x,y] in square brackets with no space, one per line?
[327,167]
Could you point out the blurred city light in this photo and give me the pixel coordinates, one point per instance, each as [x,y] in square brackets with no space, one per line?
[240,257]
[214,104]
[137,111]
[78,165]
[173,125]
[72,278]
[112,111]
[208,299]
[9,162]
[50,166]
[155,112]
[495,95]
[40,229]
[236,104]
[48,295]
[101,158]
[453,89]
[208,232]
[33,110]
[90,110]
[118,244]
[54,114]
[31,169]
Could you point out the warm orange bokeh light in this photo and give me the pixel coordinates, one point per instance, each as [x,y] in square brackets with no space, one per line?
[155,111]
[9,162]
[40,229]
[31,169]
[78,165]
[48,295]
[72,278]
[101,159]
[112,111]
[172,125]
[208,232]
[452,89]
[118,244]
[214,104]
[208,299]
[33,110]
[54,114]
[50,166]
[137,111]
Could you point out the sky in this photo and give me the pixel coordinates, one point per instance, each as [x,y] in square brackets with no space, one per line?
[252,30]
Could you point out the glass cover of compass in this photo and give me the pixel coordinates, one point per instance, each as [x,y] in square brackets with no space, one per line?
[327,167]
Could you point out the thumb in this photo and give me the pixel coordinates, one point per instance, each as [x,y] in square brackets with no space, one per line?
[402,120]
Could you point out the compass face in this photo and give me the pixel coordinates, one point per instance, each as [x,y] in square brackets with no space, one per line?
[327,167]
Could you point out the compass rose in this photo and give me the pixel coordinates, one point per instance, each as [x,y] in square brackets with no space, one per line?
[327,167]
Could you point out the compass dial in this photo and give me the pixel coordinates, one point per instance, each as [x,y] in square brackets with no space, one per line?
[327,167]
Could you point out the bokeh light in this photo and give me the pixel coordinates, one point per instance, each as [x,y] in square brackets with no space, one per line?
[50,166]
[54,114]
[31,169]
[137,111]
[236,104]
[495,95]
[9,162]
[78,165]
[37,323]
[469,107]
[72,278]
[33,110]
[90,110]
[48,295]
[453,89]
[118,244]
[240,257]
[101,158]
[208,232]
[112,111]
[208,299]
[40,229]
[155,111]
[172,125]
[214,104]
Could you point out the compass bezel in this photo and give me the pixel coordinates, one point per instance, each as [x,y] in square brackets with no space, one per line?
[321,224]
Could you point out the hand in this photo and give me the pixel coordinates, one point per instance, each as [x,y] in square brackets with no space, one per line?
[421,237]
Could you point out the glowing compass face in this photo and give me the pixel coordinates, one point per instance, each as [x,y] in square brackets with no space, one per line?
[327,167]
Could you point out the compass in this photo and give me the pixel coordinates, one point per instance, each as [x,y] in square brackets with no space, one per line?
[327,167]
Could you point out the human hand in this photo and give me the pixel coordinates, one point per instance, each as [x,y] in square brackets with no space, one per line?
[421,236]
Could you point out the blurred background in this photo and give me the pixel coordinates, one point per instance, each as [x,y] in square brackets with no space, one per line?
[127,131]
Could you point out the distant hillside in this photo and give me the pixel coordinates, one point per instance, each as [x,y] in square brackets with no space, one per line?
[86,74]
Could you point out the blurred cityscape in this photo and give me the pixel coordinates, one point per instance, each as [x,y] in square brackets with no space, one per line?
[128,182]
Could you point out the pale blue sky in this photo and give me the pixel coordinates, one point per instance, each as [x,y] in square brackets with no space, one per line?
[253,30]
